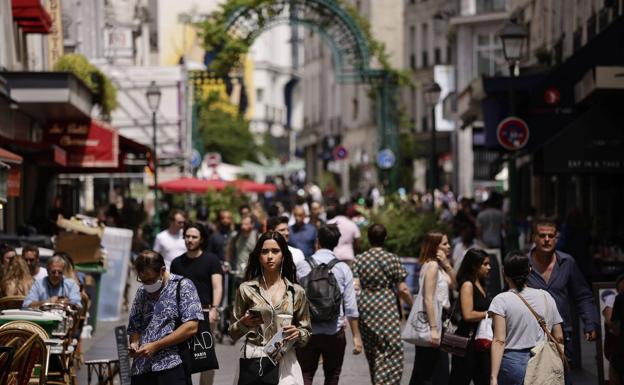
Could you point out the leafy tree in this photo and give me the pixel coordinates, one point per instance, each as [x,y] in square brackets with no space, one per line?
[228,133]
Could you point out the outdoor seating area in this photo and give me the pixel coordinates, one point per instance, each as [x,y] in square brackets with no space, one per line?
[39,346]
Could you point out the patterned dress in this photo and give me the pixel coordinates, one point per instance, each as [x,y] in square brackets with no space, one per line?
[379,271]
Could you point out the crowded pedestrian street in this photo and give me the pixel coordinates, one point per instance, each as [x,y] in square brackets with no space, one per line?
[307,192]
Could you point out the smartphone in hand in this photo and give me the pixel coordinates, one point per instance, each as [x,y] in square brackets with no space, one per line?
[255,313]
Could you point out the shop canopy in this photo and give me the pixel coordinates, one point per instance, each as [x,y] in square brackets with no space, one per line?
[191,185]
[200,186]
[246,185]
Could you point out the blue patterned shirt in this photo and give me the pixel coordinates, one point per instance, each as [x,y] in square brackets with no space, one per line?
[154,319]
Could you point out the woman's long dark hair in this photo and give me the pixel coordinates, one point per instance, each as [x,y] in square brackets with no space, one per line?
[254,268]
[473,259]
[517,268]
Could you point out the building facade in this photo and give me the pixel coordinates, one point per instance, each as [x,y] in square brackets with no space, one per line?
[343,114]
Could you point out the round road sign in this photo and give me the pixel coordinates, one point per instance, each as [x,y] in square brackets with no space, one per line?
[386,159]
[195,158]
[340,153]
[512,133]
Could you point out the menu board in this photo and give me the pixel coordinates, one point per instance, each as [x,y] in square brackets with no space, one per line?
[121,338]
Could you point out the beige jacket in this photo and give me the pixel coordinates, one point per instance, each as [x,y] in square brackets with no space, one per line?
[248,296]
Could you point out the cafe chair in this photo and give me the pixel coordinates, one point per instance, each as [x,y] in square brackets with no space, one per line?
[30,355]
[34,328]
[6,358]
[62,357]
[12,302]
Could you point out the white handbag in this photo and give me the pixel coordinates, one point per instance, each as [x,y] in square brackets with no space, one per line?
[417,330]
[485,334]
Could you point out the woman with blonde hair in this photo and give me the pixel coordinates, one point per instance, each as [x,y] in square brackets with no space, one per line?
[430,363]
[16,280]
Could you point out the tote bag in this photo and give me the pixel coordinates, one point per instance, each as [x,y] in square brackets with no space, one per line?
[198,352]
[417,330]
[547,362]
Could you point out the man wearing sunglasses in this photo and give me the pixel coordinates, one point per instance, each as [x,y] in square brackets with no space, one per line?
[53,288]
[557,272]
[170,242]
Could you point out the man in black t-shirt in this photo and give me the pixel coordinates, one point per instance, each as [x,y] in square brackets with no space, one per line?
[204,269]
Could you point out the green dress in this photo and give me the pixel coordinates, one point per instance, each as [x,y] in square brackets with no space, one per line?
[379,271]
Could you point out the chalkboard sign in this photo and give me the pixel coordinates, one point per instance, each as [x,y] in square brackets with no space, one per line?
[122,353]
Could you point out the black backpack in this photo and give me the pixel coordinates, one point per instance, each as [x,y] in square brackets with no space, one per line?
[322,290]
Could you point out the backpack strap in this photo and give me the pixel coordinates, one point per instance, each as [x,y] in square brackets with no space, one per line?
[311,262]
[333,263]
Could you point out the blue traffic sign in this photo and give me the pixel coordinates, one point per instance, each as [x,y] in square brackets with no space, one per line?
[386,159]
[195,159]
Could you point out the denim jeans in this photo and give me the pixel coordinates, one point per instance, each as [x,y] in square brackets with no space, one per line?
[513,367]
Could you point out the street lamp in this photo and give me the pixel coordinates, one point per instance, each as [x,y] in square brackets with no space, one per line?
[153,95]
[513,36]
[432,96]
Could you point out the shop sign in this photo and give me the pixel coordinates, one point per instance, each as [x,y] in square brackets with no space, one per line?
[93,144]
[14,182]
[512,133]
[552,96]
[55,37]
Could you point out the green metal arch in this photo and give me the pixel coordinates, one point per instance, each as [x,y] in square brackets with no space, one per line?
[351,54]
[350,50]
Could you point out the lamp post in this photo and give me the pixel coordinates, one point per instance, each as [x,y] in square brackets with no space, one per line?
[153,95]
[513,36]
[432,96]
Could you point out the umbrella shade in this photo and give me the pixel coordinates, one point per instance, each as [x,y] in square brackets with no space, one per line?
[191,185]
[245,185]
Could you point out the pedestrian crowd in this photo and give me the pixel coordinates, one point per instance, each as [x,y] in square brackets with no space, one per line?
[290,285]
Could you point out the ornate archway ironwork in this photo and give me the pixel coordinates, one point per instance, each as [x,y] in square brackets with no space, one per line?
[351,51]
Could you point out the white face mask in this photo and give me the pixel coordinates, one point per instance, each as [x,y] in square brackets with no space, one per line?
[153,287]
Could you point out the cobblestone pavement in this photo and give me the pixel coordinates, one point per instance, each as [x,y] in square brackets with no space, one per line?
[354,371]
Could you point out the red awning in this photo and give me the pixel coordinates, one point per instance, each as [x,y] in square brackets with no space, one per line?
[31,16]
[192,185]
[9,157]
[245,185]
[41,153]
[94,144]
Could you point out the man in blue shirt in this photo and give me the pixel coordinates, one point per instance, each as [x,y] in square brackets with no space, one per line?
[328,338]
[302,234]
[53,288]
[557,273]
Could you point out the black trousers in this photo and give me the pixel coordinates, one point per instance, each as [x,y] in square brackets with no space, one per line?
[473,366]
[173,376]
[431,367]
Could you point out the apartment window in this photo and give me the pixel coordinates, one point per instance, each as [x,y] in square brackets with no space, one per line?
[259,95]
[488,55]
[437,56]
[412,46]
[591,27]
[577,39]
[424,45]
[485,6]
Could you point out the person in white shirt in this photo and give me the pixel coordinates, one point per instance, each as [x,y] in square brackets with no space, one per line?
[170,242]
[30,254]
[516,330]
[280,225]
